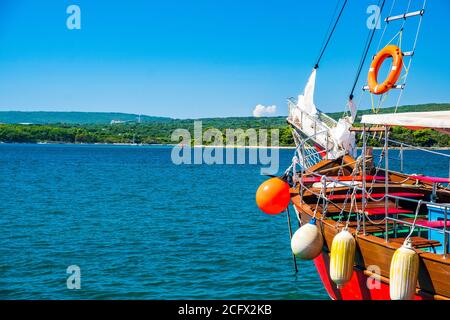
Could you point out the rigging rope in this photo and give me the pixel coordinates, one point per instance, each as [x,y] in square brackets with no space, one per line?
[403,78]
[419,204]
[413,50]
[366,50]
[385,26]
[324,47]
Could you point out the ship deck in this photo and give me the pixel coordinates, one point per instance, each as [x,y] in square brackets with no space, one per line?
[378,238]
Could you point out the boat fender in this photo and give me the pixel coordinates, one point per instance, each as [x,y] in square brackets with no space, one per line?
[307,241]
[342,258]
[403,273]
[273,196]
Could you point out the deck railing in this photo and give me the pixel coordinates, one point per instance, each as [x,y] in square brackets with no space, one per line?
[404,146]
[316,128]
[445,207]
[321,133]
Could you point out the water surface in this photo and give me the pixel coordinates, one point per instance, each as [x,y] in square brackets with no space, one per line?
[140,227]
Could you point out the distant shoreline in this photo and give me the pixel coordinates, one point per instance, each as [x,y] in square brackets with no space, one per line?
[126,129]
[145,145]
[196,146]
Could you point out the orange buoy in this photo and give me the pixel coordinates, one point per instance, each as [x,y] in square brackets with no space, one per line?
[273,196]
[393,52]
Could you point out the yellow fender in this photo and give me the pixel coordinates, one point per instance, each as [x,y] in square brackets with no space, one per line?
[403,273]
[342,258]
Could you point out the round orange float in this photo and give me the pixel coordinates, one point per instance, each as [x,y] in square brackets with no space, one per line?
[273,196]
[390,51]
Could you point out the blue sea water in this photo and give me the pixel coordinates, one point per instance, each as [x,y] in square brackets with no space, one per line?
[140,227]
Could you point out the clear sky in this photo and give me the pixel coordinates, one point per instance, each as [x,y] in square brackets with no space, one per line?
[198,58]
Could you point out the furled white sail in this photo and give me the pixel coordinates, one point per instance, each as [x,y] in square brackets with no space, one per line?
[333,139]
[353,110]
[306,100]
[343,137]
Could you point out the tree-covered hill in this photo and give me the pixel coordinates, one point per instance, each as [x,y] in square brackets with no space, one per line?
[51,117]
[159,130]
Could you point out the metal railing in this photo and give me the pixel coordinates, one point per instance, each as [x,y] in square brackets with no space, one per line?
[315,128]
[444,206]
[307,153]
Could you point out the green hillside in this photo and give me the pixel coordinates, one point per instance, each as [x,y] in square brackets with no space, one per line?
[49,117]
[80,127]
[55,117]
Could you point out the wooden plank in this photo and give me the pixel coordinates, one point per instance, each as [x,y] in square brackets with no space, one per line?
[391,211]
[430,179]
[418,242]
[338,207]
[341,178]
[378,195]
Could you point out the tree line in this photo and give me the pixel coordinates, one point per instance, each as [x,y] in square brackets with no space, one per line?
[160,132]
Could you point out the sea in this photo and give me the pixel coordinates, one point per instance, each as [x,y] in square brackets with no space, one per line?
[125,222]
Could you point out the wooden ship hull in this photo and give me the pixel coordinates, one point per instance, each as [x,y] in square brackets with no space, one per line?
[374,250]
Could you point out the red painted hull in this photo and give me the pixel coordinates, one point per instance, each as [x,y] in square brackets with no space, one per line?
[320,150]
[360,287]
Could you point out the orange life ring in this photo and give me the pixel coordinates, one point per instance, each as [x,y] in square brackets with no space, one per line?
[397,62]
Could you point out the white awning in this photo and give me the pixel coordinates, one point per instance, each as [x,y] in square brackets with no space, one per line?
[433,120]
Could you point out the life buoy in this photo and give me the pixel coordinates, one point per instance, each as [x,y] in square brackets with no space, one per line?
[397,62]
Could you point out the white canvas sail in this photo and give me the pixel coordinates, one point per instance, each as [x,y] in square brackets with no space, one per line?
[353,110]
[306,100]
[333,137]
[343,137]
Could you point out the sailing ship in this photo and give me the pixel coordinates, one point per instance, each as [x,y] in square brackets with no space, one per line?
[373,232]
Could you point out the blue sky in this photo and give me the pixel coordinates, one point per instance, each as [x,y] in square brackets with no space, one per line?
[199,58]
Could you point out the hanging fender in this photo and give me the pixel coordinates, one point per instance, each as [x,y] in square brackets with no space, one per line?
[397,62]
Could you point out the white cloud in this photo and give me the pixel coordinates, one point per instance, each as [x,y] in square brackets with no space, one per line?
[261,110]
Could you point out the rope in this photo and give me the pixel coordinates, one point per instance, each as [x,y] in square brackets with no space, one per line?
[399,35]
[321,195]
[330,35]
[366,50]
[340,172]
[318,194]
[411,57]
[385,26]
[354,172]
[330,25]
[352,202]
[288,214]
[309,159]
[414,221]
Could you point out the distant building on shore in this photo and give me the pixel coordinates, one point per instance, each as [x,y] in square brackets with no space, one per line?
[118,121]
[138,120]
